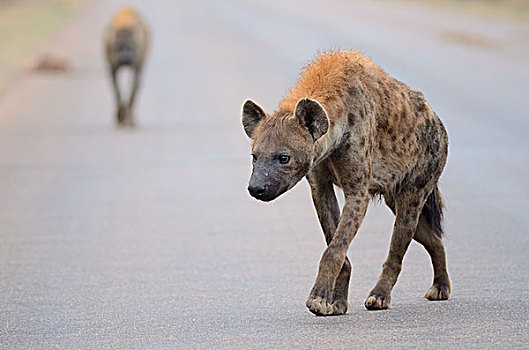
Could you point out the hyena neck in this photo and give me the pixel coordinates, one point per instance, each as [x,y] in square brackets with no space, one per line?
[329,142]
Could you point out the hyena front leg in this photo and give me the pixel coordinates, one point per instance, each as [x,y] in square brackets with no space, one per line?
[328,211]
[407,216]
[320,298]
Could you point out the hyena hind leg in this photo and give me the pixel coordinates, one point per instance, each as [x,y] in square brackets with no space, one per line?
[425,235]
[407,211]
[431,240]
[125,117]
[121,114]
[129,120]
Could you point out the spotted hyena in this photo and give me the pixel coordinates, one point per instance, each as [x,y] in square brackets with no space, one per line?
[126,45]
[348,123]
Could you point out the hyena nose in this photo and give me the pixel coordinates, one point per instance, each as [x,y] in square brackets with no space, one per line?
[257,191]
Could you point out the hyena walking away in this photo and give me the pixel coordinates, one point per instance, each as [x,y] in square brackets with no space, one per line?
[348,123]
[126,41]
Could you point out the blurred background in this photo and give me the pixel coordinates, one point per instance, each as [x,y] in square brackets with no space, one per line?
[147,238]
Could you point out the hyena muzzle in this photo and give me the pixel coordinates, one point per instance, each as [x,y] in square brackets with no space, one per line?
[126,44]
[347,123]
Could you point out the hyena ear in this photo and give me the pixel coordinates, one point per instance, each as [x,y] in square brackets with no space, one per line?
[311,115]
[252,114]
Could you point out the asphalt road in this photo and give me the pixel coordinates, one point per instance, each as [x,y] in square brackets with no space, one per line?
[148,239]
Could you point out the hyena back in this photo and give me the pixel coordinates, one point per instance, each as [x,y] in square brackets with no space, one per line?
[348,123]
[126,44]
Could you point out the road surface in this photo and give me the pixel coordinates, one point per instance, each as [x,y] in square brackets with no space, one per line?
[148,239]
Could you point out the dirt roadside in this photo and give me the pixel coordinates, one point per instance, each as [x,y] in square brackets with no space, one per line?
[506,10]
[24,25]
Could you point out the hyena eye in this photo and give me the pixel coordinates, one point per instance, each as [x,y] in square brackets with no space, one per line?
[254,158]
[284,159]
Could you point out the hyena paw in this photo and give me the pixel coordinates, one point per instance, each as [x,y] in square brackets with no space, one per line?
[339,307]
[377,301]
[438,291]
[319,306]
[320,302]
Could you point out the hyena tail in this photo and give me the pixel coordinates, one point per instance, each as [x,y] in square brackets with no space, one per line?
[433,212]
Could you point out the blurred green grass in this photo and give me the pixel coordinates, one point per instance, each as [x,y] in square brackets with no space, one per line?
[24,24]
[509,10]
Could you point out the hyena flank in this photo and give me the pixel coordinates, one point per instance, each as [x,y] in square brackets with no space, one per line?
[348,123]
[126,43]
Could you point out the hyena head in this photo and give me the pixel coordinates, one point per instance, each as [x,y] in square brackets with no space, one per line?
[282,145]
